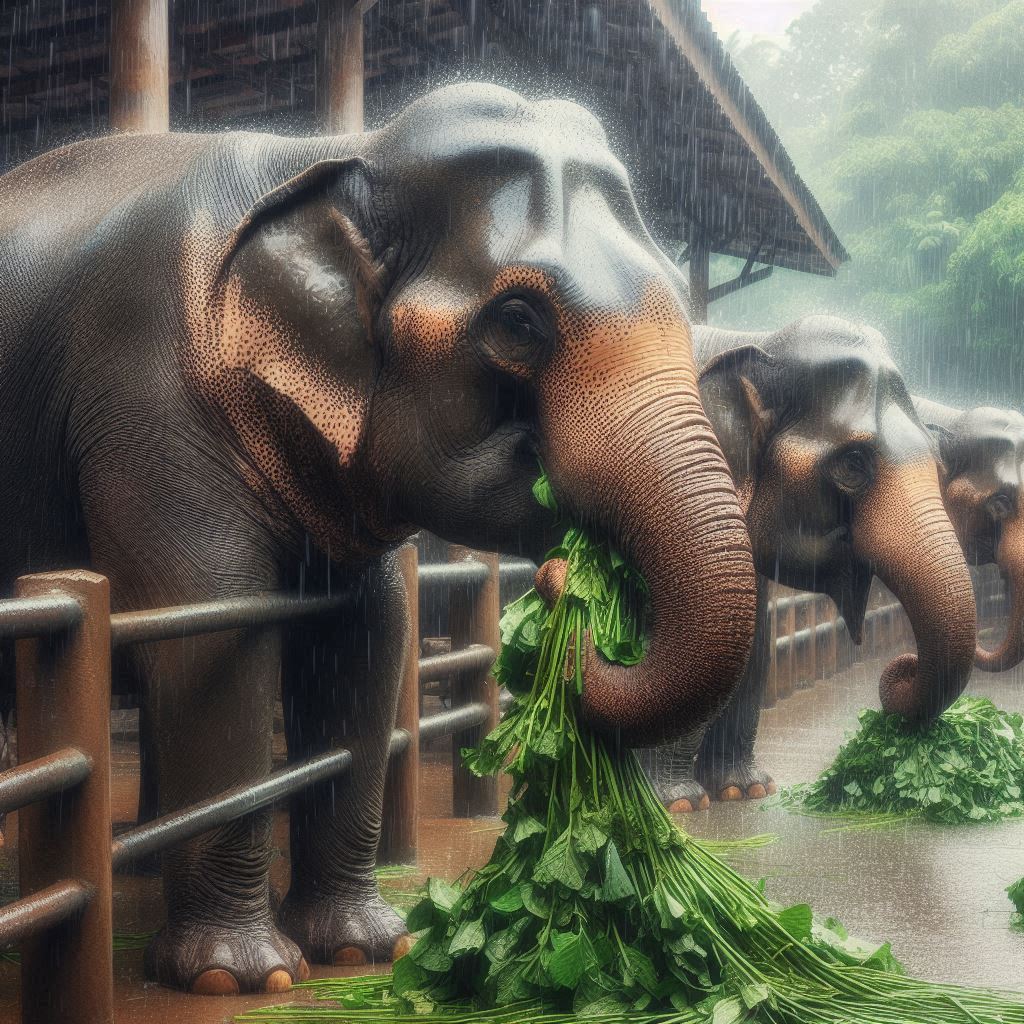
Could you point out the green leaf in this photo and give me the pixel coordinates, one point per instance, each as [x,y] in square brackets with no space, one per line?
[560,864]
[442,894]
[753,994]
[468,938]
[616,884]
[544,494]
[526,826]
[508,902]
[728,1011]
[797,920]
[568,960]
[431,956]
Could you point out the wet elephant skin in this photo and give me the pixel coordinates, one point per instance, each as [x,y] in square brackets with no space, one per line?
[982,467]
[238,363]
[839,483]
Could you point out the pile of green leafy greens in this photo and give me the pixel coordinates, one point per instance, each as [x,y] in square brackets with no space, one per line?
[1016,894]
[968,766]
[594,904]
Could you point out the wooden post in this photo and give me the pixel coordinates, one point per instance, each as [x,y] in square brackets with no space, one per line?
[831,640]
[771,684]
[401,789]
[63,699]
[473,619]
[340,66]
[700,278]
[809,669]
[787,627]
[139,66]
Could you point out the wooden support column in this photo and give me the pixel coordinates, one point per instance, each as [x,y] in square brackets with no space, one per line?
[63,698]
[401,789]
[340,66]
[139,66]
[700,278]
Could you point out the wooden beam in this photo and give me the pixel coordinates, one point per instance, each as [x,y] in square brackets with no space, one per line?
[340,66]
[139,66]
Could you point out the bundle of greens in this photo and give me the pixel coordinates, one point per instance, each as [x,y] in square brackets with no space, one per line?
[594,904]
[1016,894]
[968,766]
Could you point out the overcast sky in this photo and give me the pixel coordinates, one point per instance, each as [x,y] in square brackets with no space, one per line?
[760,17]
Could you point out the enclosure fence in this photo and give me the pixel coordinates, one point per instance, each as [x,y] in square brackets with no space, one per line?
[64,633]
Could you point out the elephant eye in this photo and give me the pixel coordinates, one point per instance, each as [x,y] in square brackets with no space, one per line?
[852,470]
[1000,507]
[515,334]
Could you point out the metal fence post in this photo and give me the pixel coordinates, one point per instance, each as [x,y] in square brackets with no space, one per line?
[401,791]
[473,619]
[63,700]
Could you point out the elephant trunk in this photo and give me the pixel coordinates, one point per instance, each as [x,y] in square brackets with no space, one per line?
[638,463]
[909,541]
[1010,559]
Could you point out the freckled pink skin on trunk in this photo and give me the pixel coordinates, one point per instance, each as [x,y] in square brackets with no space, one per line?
[632,455]
[933,586]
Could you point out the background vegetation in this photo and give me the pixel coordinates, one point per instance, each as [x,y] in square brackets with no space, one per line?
[906,119]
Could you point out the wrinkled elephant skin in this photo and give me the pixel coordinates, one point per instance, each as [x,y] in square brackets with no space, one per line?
[240,363]
[982,459]
[839,483]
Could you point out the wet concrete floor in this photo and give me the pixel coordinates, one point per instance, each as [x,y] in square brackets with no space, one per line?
[937,894]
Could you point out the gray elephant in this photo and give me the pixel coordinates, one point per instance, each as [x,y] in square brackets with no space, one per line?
[838,482]
[239,363]
[982,461]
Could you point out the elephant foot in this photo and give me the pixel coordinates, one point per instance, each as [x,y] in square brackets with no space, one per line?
[345,931]
[215,960]
[684,797]
[744,781]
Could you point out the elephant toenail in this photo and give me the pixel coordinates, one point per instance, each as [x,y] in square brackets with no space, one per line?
[732,793]
[216,982]
[680,807]
[771,789]
[402,946]
[349,956]
[705,803]
[278,981]
[303,970]
[757,792]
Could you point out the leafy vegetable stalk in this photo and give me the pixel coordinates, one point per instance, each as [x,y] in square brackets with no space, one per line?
[594,903]
[1016,894]
[968,766]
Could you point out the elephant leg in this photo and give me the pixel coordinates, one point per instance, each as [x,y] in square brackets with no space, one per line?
[725,762]
[340,690]
[670,769]
[209,701]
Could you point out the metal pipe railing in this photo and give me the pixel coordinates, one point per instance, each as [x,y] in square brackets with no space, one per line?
[474,658]
[237,802]
[214,616]
[42,910]
[36,616]
[42,778]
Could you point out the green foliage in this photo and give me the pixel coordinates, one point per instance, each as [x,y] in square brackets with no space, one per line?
[1016,894]
[966,767]
[913,142]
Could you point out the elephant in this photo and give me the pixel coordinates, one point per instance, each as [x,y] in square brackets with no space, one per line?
[982,462]
[237,363]
[838,481]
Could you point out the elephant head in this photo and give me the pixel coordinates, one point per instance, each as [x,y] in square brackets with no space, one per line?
[428,310]
[838,480]
[982,459]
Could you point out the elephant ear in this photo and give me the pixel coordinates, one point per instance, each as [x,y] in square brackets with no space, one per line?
[736,387]
[359,239]
[947,450]
[283,342]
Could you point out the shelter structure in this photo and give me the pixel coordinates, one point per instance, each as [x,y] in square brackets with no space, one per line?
[710,171]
